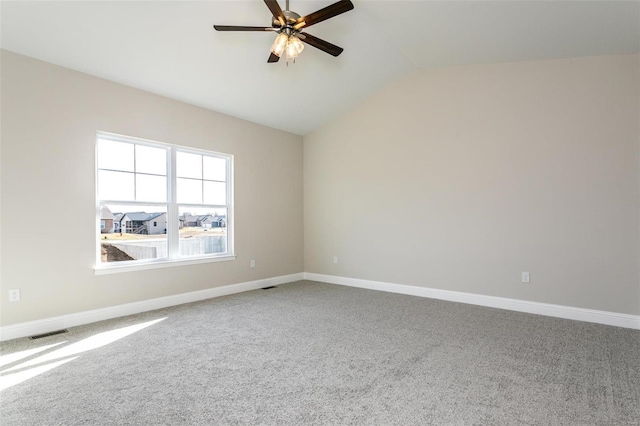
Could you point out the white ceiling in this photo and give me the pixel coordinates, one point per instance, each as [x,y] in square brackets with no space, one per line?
[170,48]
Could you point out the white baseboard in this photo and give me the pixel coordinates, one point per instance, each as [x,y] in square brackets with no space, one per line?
[559,311]
[56,323]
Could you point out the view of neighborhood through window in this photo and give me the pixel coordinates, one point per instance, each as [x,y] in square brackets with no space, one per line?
[141,210]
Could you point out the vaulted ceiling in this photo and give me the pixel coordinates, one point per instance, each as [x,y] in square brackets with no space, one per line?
[170,47]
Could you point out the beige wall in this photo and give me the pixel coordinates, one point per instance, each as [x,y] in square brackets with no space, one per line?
[456,178]
[462,178]
[49,119]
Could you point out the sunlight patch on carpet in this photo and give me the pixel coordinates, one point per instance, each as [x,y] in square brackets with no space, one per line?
[69,352]
[17,356]
[15,378]
[93,342]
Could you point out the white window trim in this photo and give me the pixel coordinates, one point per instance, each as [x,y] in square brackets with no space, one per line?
[172,211]
[142,265]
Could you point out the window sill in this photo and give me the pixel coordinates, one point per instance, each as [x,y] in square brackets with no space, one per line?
[105,269]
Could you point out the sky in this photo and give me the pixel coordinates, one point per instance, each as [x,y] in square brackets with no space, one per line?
[132,172]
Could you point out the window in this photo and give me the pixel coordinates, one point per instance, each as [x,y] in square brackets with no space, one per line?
[160,203]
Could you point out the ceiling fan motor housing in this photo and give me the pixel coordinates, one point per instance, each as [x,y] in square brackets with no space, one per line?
[292,17]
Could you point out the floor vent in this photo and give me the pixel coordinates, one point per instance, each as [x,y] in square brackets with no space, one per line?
[52,333]
[268,288]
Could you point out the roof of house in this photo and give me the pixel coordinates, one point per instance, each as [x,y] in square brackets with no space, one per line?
[195,218]
[142,216]
[105,213]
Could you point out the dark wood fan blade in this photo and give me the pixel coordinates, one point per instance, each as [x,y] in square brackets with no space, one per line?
[323,45]
[323,14]
[273,58]
[274,7]
[239,28]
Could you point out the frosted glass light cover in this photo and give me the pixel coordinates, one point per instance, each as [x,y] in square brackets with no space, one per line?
[279,44]
[294,47]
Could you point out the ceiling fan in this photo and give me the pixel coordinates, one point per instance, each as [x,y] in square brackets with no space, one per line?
[289,26]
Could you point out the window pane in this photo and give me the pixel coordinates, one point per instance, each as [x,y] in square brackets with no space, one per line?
[132,232]
[189,165]
[214,168]
[151,160]
[202,231]
[136,193]
[215,192]
[151,188]
[115,155]
[115,185]
[189,191]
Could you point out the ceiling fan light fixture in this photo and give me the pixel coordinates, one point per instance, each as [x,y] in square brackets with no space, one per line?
[280,44]
[289,26]
[294,47]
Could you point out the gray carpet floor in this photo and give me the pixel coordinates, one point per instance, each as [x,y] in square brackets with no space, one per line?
[312,353]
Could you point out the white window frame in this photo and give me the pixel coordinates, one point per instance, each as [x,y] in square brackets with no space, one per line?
[172,206]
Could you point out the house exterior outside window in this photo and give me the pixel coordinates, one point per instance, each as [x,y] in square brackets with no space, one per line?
[156,203]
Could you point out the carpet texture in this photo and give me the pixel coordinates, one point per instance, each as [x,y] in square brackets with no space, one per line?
[312,353]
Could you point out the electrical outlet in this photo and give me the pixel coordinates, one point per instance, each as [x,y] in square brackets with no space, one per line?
[14,295]
[335,259]
[525,277]
[253,263]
